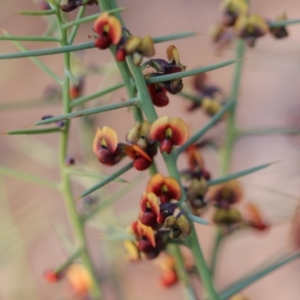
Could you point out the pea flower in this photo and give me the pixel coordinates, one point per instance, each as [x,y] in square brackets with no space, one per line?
[169,132]
[106,146]
[179,226]
[168,276]
[232,9]
[166,188]
[280,32]
[250,28]
[195,194]
[139,47]
[149,205]
[51,276]
[211,106]
[226,194]
[109,30]
[147,244]
[73,4]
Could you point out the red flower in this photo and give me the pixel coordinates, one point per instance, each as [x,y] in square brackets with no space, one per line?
[109,30]
[106,146]
[166,188]
[169,132]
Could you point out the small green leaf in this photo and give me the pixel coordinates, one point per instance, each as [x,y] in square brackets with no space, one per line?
[30,38]
[238,174]
[113,198]
[197,219]
[89,111]
[49,51]
[171,37]
[108,179]
[276,24]
[33,131]
[36,13]
[193,72]
[84,99]
[91,174]
[72,78]
[91,18]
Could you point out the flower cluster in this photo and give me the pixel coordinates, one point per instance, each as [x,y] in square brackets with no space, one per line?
[142,141]
[224,197]
[158,91]
[110,32]
[70,5]
[157,223]
[235,14]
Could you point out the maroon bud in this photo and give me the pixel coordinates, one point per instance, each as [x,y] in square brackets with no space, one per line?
[149,219]
[103,42]
[160,99]
[166,145]
[70,161]
[141,164]
[51,277]
[46,117]
[120,54]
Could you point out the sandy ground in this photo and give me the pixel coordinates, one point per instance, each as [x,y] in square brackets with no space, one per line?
[31,215]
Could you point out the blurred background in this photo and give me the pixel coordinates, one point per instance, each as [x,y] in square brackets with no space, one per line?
[34,229]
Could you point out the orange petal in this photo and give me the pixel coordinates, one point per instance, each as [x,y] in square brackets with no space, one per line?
[97,141]
[173,54]
[173,186]
[130,152]
[115,30]
[110,137]
[159,127]
[149,200]
[147,232]
[141,152]
[155,183]
[100,22]
[254,216]
[180,131]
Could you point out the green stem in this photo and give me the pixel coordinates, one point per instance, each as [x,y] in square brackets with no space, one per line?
[95,95]
[231,131]
[30,38]
[33,131]
[37,13]
[195,137]
[107,180]
[76,222]
[266,131]
[254,276]
[76,27]
[89,111]
[215,251]
[68,261]
[201,265]
[35,60]
[183,276]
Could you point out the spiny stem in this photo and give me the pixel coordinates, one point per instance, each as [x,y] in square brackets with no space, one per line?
[95,95]
[215,250]
[231,132]
[266,131]
[76,222]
